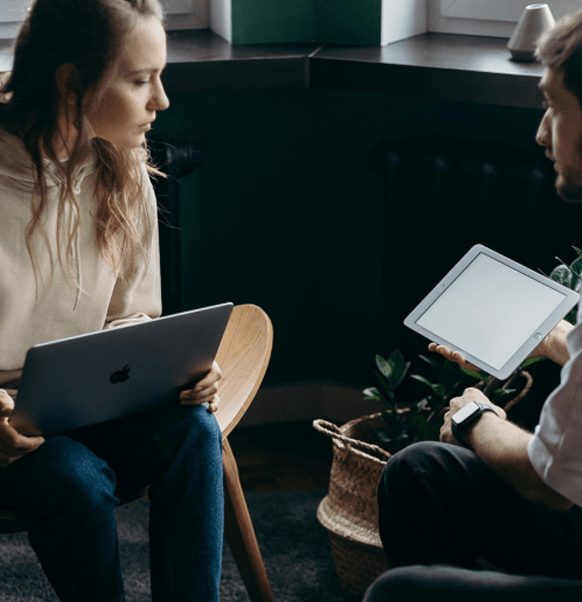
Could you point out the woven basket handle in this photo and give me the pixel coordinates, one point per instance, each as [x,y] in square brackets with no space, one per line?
[331,430]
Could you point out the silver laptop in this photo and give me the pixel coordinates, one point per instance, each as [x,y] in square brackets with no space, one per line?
[82,380]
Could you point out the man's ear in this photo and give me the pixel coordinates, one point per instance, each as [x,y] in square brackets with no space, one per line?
[66,78]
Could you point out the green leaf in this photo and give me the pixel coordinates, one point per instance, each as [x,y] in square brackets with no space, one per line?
[399,368]
[424,430]
[477,375]
[450,374]
[432,361]
[382,436]
[438,389]
[386,390]
[532,360]
[372,393]
[394,368]
[562,274]
[568,275]
[503,392]
[384,367]
[576,266]
[389,402]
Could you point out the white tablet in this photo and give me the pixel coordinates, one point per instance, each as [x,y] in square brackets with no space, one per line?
[492,309]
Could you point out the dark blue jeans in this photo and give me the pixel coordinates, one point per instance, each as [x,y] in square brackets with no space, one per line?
[441,504]
[71,485]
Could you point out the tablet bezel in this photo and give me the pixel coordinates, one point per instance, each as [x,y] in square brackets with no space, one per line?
[570,299]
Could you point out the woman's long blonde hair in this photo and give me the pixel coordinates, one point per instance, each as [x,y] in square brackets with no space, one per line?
[87,34]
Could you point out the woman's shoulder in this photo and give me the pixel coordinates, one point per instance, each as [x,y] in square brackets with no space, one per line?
[15,162]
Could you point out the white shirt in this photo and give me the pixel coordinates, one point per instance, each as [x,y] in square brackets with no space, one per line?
[555,450]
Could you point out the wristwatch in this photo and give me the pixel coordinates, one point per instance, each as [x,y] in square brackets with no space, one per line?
[467,416]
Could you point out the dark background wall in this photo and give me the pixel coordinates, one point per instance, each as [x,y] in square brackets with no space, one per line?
[286,212]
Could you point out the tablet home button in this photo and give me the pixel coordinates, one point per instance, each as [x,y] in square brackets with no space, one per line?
[538,335]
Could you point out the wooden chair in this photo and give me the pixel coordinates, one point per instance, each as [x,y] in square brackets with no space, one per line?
[243,358]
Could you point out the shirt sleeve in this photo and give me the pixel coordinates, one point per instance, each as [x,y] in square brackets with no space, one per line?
[138,297]
[554,450]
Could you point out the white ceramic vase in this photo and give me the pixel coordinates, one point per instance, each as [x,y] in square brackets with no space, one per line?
[534,20]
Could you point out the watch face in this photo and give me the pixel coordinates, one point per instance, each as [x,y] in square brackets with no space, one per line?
[465,412]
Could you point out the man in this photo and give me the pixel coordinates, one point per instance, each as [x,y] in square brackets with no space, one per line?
[490,491]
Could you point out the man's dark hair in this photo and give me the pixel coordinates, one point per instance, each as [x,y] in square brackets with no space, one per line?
[560,48]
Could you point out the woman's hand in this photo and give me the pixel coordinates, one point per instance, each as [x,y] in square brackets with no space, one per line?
[206,390]
[13,445]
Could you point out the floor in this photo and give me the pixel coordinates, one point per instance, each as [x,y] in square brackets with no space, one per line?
[282,457]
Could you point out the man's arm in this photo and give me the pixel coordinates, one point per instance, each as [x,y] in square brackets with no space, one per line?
[503,446]
[553,347]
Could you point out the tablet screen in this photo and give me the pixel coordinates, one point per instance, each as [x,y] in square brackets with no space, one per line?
[490,309]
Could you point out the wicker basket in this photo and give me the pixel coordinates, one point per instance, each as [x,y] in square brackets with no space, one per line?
[350,511]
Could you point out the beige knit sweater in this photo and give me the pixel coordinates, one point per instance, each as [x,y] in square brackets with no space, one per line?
[31,314]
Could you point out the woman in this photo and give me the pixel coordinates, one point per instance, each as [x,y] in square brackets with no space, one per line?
[78,249]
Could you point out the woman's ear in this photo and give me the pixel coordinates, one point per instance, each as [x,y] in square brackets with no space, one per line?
[66,78]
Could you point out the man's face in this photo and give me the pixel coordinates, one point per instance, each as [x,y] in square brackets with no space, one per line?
[560,132]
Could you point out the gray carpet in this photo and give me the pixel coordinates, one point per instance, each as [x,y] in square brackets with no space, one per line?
[295,549]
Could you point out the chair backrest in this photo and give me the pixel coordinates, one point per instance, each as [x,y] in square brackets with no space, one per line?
[243,357]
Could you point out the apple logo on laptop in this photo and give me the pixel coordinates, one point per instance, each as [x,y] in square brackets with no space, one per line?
[120,376]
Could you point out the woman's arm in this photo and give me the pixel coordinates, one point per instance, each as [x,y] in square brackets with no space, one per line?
[12,444]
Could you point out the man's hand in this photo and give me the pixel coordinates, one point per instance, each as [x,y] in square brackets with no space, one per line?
[552,347]
[503,446]
[453,356]
[12,444]
[206,390]
[470,394]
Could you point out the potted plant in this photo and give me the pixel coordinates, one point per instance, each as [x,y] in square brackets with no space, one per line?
[405,422]
[362,447]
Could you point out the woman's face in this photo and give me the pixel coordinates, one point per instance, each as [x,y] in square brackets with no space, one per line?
[133,90]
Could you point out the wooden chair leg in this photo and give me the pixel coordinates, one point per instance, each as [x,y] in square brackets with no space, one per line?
[240,534]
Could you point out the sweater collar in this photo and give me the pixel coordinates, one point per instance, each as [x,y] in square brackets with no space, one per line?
[17,165]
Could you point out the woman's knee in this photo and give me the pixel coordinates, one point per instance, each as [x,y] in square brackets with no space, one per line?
[202,430]
[190,431]
[66,472]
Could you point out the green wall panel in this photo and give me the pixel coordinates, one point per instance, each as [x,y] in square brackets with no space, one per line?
[285,211]
[348,22]
[326,21]
[272,21]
